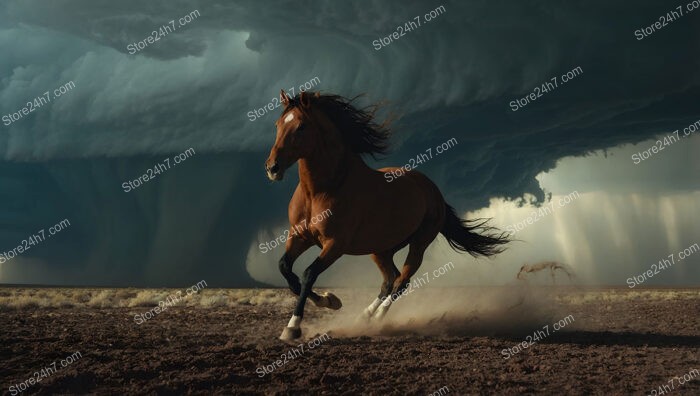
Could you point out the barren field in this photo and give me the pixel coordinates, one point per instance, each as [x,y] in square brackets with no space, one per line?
[434,341]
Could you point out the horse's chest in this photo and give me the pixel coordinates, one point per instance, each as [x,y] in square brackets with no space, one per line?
[315,224]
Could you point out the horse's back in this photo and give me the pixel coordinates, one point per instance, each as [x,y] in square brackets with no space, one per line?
[395,174]
[433,197]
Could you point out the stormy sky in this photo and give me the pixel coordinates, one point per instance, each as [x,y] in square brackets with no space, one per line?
[455,76]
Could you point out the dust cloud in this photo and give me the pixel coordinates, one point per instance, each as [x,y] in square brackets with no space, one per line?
[515,308]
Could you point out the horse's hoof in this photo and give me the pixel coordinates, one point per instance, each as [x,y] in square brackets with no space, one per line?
[329,300]
[290,333]
[365,316]
[379,313]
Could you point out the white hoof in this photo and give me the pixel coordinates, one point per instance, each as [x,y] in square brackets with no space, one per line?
[365,316]
[290,333]
[380,313]
[382,309]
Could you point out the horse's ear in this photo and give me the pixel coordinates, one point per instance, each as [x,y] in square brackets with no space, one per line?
[305,99]
[284,98]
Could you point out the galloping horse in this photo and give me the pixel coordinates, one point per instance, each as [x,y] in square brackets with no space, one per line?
[327,135]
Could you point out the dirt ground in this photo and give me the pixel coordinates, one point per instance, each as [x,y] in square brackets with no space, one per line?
[616,341]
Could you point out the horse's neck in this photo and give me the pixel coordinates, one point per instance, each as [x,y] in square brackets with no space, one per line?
[324,171]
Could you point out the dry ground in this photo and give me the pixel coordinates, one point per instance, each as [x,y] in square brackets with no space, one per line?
[620,341]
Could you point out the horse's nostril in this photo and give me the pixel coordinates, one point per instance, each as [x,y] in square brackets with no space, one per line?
[274,168]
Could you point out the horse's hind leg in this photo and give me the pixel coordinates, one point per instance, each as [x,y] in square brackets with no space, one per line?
[385,262]
[413,262]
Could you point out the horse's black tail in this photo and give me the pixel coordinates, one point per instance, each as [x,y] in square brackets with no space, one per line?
[472,236]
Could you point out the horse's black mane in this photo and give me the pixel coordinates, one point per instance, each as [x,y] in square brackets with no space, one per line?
[356,125]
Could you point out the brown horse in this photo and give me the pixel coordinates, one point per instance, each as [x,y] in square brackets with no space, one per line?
[327,135]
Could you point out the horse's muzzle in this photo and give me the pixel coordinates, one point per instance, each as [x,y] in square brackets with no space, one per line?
[274,172]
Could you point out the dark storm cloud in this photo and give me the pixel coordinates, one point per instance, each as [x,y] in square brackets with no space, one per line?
[452,77]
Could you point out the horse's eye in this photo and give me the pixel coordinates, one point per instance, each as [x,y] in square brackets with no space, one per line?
[301,127]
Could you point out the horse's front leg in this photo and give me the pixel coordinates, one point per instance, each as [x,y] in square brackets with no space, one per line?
[328,256]
[294,248]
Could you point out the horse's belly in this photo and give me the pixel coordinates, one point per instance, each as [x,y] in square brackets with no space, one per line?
[389,223]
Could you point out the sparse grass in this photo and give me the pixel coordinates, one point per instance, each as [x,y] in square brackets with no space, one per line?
[619,295]
[19,298]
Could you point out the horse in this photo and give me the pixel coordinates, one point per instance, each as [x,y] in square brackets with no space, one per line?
[327,135]
[551,265]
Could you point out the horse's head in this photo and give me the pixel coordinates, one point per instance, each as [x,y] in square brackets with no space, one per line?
[296,135]
[324,128]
